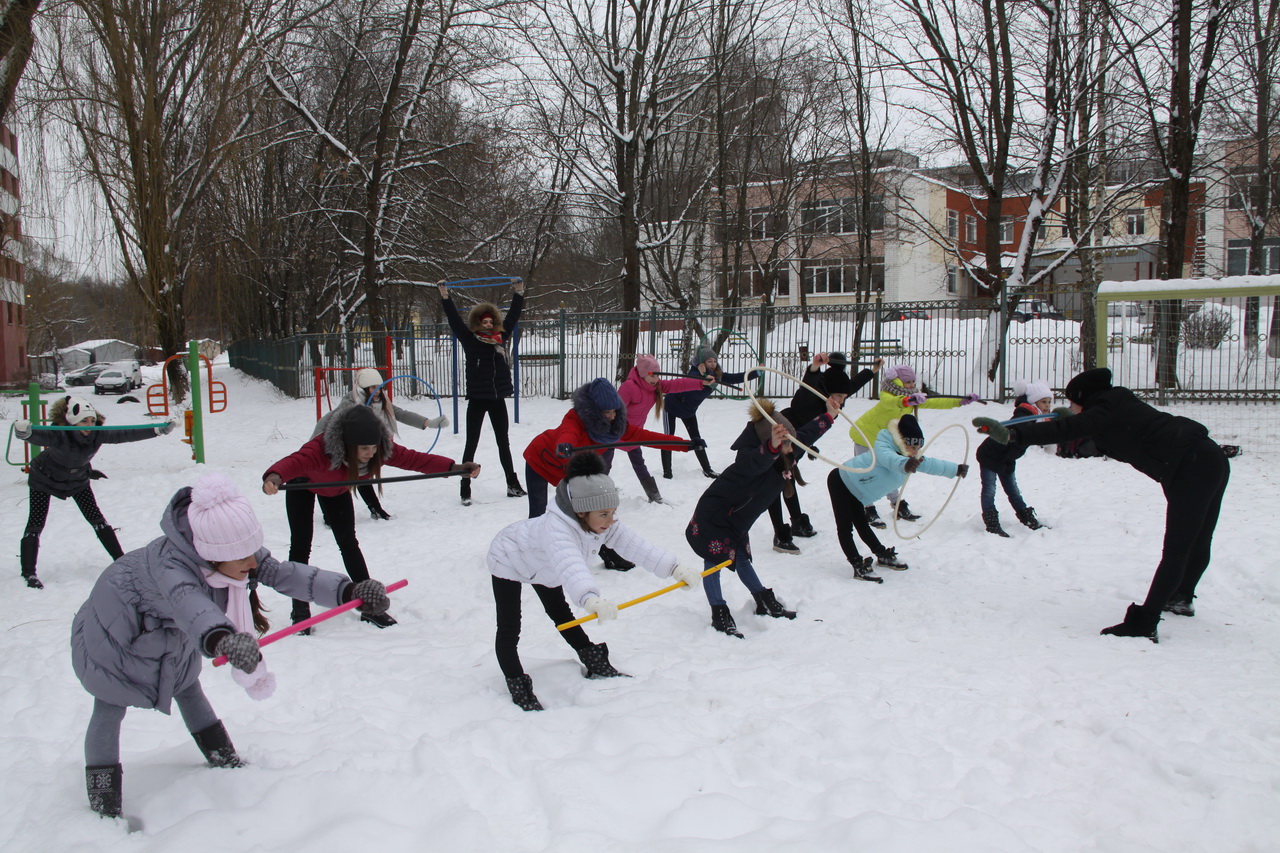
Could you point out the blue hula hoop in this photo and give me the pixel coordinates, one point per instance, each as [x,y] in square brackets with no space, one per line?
[434,396]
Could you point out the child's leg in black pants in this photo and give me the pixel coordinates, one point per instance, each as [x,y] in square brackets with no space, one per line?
[300,509]
[339,512]
[850,515]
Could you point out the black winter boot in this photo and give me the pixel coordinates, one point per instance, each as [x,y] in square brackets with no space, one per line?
[216,746]
[30,547]
[991,518]
[514,489]
[666,464]
[614,560]
[521,687]
[301,613]
[905,513]
[107,536]
[873,518]
[767,604]
[890,560]
[596,659]
[722,621]
[800,526]
[701,453]
[464,491]
[1137,623]
[651,490]
[862,571]
[377,513]
[1028,517]
[782,541]
[381,620]
[105,785]
[1180,604]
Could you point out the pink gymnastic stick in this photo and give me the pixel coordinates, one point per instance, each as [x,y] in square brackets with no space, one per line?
[314,620]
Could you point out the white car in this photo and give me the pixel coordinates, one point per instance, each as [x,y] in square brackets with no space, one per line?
[112,382]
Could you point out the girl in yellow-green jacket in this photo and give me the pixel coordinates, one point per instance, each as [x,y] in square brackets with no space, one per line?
[898,396]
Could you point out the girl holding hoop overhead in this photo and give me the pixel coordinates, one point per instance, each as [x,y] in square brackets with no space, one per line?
[721,523]
[897,454]
[683,406]
[354,446]
[486,344]
[366,390]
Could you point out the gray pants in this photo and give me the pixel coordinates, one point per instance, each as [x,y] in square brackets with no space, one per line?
[102,739]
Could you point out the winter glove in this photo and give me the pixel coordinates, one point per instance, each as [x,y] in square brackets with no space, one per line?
[993,428]
[913,464]
[95,474]
[1063,412]
[697,443]
[603,608]
[467,469]
[372,595]
[962,470]
[564,450]
[970,398]
[917,399]
[241,650]
[165,428]
[272,483]
[692,577]
[437,423]
[22,427]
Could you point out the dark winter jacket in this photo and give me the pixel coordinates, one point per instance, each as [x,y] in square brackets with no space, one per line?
[138,638]
[577,428]
[488,362]
[685,404]
[63,468]
[323,459]
[1003,458]
[723,517]
[1124,428]
[806,405]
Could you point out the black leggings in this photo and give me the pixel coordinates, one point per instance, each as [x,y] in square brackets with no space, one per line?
[339,512]
[850,514]
[497,412]
[39,510]
[1194,492]
[506,598]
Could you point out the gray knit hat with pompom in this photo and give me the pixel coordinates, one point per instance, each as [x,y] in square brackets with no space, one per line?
[586,486]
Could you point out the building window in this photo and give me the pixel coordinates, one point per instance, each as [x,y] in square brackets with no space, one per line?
[1238,256]
[840,215]
[970,228]
[953,225]
[823,278]
[953,279]
[1006,231]
[1135,222]
[762,224]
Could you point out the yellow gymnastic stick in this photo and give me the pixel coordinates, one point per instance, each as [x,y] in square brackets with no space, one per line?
[567,625]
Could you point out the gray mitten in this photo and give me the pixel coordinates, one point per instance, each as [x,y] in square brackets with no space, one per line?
[372,594]
[241,651]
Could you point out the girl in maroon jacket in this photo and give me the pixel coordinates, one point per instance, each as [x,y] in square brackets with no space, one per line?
[354,447]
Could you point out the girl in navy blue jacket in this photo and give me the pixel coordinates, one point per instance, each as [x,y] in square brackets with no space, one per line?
[683,406]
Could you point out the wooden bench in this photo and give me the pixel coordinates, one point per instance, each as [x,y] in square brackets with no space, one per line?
[868,350]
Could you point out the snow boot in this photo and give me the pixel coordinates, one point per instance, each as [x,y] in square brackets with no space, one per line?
[105,785]
[521,687]
[464,491]
[991,518]
[701,453]
[1137,623]
[614,560]
[514,490]
[767,604]
[377,513]
[666,464]
[1180,604]
[873,518]
[301,613]
[722,621]
[596,659]
[107,536]
[800,526]
[651,490]
[889,559]
[862,571]
[1028,517]
[381,620]
[905,513]
[30,547]
[216,746]
[782,541]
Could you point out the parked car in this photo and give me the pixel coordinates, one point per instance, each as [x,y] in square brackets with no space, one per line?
[112,381]
[1035,309]
[903,314]
[1126,309]
[131,371]
[85,375]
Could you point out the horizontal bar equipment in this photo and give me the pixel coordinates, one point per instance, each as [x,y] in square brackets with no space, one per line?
[314,620]
[567,625]
[370,482]
[122,426]
[491,281]
[565,449]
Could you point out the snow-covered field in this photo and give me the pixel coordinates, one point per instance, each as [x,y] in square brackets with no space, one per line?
[967,704]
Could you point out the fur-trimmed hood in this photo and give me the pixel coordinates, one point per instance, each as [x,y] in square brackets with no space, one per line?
[896,434]
[336,449]
[477,313]
[600,430]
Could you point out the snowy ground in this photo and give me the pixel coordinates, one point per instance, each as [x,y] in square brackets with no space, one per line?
[967,704]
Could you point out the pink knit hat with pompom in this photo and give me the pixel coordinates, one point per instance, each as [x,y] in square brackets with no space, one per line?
[223,525]
[646,364]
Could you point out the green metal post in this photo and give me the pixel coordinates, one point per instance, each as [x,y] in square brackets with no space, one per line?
[197,419]
[33,413]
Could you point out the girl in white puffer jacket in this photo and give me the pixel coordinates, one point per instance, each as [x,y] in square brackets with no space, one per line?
[550,552]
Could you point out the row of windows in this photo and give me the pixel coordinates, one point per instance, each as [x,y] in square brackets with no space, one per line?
[817,278]
[1238,257]
[1135,225]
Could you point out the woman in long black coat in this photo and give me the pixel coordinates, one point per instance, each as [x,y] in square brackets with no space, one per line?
[1174,451]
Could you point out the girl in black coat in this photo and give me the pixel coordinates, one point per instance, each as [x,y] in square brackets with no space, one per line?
[1176,452]
[486,344]
[63,471]
[721,523]
[998,462]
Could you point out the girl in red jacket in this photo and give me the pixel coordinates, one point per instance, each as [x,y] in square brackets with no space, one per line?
[353,447]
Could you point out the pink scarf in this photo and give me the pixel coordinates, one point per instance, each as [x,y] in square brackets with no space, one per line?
[260,683]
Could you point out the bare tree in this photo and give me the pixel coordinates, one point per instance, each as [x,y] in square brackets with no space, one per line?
[17,39]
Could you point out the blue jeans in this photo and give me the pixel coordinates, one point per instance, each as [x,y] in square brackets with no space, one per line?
[1010,485]
[537,491]
[711,583]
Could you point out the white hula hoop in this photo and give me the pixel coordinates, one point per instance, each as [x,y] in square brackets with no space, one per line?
[903,490]
[796,441]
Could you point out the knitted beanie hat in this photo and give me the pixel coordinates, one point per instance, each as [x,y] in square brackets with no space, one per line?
[223,525]
[646,364]
[361,426]
[79,410]
[367,377]
[909,429]
[586,486]
[705,354]
[603,395]
[903,372]
[1036,389]
[836,380]
[1084,385]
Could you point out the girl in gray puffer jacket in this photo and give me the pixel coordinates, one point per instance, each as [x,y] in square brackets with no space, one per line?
[154,612]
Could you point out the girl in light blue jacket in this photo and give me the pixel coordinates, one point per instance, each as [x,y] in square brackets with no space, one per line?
[897,454]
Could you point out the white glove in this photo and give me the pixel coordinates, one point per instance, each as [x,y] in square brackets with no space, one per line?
[22,426]
[437,423]
[166,427]
[692,577]
[603,608]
